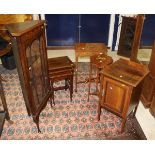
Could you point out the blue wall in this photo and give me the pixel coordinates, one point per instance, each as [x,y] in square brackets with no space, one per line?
[68,29]
[148,33]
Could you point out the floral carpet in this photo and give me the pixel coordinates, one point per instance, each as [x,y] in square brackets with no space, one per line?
[66,120]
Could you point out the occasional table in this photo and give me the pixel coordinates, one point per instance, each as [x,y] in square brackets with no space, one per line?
[98,62]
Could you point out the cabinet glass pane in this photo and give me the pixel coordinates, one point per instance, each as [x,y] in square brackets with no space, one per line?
[37,70]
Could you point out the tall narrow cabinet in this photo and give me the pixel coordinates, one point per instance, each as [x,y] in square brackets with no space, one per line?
[29,47]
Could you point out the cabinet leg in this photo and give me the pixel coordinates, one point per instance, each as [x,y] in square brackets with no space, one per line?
[99,112]
[52,90]
[123,125]
[36,120]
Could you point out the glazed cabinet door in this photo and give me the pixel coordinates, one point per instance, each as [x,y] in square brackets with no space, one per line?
[114,97]
[37,71]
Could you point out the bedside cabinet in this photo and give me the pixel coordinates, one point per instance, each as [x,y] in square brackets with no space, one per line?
[120,88]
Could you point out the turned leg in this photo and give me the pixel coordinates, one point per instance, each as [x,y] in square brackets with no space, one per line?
[90,77]
[97,79]
[52,90]
[101,99]
[71,87]
[76,73]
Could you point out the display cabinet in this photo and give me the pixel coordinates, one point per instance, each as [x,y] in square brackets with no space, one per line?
[29,47]
[121,85]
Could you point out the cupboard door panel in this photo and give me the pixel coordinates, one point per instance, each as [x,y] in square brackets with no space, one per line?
[115,95]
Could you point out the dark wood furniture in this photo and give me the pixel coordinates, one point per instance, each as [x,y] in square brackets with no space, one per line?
[130,36]
[148,90]
[87,50]
[29,47]
[97,62]
[120,90]
[61,68]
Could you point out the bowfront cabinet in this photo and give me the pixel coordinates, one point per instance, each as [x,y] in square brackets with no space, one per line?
[29,47]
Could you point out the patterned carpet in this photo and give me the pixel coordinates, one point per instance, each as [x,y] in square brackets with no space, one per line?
[66,120]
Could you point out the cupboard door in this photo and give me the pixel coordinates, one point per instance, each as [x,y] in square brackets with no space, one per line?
[115,95]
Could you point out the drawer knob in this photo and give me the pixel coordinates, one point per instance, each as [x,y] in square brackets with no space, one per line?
[111,88]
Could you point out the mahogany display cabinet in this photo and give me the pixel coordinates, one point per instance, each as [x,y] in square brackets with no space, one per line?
[120,89]
[29,48]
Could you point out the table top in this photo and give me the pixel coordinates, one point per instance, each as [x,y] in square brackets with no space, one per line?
[89,49]
[126,71]
[60,63]
[101,60]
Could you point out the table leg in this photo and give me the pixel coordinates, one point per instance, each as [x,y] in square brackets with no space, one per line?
[76,72]
[71,87]
[97,79]
[90,77]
